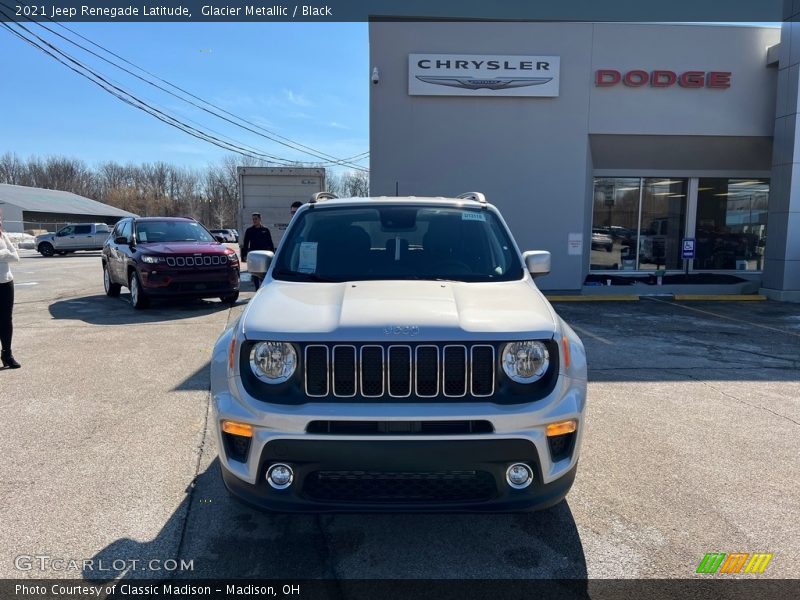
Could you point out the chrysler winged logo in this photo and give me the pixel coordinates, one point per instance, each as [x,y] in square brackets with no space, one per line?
[401,330]
[474,83]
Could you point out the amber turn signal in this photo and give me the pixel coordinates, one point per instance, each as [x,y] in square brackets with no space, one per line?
[565,346]
[562,427]
[234,428]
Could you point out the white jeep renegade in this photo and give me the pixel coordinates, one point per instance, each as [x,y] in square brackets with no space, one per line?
[399,356]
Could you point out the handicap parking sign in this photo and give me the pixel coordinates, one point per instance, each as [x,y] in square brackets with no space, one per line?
[688,247]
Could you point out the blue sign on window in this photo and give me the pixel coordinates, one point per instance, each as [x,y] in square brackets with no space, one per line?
[688,247]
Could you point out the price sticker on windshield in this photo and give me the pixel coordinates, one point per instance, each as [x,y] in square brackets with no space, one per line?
[473,216]
[308,257]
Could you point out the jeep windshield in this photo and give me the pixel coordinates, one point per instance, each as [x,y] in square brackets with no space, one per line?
[148,232]
[336,244]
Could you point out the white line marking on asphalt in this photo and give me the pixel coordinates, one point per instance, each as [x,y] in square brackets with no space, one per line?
[713,314]
[26,283]
[591,335]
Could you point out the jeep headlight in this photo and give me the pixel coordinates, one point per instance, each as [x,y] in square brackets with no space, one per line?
[525,362]
[151,259]
[273,362]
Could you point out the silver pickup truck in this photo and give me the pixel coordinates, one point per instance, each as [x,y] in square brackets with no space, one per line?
[76,236]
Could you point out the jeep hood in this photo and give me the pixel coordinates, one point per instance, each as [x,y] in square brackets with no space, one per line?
[398,311]
[182,247]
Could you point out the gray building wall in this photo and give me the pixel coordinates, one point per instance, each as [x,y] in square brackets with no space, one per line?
[535,157]
[782,258]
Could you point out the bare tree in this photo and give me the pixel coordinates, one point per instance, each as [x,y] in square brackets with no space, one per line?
[210,195]
[333,183]
[11,169]
[355,184]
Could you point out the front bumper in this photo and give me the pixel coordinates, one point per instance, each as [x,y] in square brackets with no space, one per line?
[399,476]
[200,283]
[355,456]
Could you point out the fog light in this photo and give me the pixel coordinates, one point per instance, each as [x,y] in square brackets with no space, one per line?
[280,476]
[519,476]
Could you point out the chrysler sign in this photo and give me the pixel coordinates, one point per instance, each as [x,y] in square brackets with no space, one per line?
[482,75]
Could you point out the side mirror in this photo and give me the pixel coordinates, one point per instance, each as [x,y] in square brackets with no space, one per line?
[120,240]
[537,262]
[258,262]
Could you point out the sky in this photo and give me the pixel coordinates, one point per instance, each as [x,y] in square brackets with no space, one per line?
[305,81]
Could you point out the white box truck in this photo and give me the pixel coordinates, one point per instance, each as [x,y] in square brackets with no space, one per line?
[271,191]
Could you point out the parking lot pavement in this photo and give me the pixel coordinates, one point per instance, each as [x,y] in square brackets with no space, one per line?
[691,447]
[693,435]
[103,422]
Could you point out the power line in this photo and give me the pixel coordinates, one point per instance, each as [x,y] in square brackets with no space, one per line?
[270,135]
[132,100]
[161,115]
[136,102]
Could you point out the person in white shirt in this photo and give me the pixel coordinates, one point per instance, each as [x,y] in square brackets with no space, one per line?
[8,254]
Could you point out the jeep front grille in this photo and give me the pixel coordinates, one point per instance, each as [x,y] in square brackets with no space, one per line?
[399,370]
[197,260]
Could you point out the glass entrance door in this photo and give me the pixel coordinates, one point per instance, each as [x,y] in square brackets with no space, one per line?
[615,223]
[662,224]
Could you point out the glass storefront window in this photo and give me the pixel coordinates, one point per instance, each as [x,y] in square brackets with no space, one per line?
[663,223]
[615,218]
[731,226]
[638,223]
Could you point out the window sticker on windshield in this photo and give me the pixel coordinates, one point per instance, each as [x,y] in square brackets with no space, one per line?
[142,236]
[308,257]
[473,216]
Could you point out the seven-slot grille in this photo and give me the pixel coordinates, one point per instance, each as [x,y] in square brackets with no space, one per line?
[197,260]
[399,370]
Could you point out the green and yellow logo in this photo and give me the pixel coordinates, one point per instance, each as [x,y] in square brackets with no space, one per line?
[736,562]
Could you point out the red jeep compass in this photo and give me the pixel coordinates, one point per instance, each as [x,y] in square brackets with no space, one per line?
[164,256]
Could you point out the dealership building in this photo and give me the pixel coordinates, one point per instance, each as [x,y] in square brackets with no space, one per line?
[626,150]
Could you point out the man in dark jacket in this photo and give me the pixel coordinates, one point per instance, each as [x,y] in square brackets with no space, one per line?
[256,237]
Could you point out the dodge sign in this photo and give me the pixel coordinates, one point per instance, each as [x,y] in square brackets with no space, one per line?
[482,75]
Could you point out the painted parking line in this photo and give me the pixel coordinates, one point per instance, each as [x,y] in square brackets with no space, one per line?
[26,283]
[720,297]
[590,334]
[594,298]
[719,316]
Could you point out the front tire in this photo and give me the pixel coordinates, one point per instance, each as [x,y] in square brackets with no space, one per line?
[46,249]
[112,289]
[139,299]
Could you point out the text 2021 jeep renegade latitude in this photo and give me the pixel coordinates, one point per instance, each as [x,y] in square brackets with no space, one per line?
[399,356]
